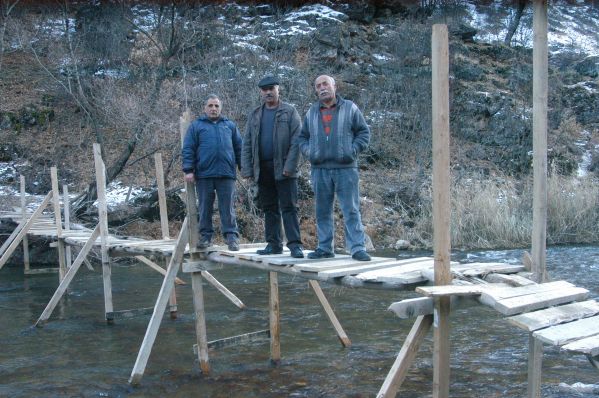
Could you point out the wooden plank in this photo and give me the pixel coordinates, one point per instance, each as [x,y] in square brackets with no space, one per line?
[67,222]
[588,346]
[477,269]
[159,307]
[357,269]
[406,356]
[345,341]
[397,270]
[39,271]
[406,278]
[496,294]
[531,302]
[509,279]
[450,290]
[567,332]
[328,265]
[410,308]
[532,321]
[23,231]
[62,266]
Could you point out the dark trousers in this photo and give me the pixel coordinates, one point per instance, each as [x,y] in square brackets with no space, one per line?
[278,200]
[225,190]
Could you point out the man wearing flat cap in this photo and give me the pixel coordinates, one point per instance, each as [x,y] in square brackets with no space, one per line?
[270,157]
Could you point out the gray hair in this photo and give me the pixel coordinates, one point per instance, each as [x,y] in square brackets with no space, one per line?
[211,96]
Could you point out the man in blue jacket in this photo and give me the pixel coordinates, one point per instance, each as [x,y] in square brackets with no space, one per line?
[334,132]
[211,152]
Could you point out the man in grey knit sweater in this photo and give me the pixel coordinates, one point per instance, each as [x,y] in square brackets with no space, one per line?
[334,132]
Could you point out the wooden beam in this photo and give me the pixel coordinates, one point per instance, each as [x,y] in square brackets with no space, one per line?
[441,205]
[103,222]
[345,341]
[405,357]
[158,268]
[552,316]
[22,231]
[200,322]
[132,313]
[26,263]
[62,266]
[161,195]
[221,288]
[240,339]
[539,140]
[65,282]
[160,307]
[66,205]
[275,315]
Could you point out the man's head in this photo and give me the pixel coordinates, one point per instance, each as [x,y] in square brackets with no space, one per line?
[212,107]
[325,88]
[269,91]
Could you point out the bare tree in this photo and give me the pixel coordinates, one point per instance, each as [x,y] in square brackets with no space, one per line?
[515,22]
[6,8]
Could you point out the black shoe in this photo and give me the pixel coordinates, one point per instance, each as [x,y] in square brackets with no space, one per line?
[270,249]
[203,244]
[319,253]
[296,252]
[233,246]
[361,255]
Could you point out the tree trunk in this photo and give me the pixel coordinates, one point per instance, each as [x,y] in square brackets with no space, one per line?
[515,22]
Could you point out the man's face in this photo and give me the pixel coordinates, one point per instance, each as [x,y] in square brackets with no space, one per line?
[270,94]
[325,88]
[212,109]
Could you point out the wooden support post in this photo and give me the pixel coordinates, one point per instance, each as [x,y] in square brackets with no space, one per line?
[275,315]
[190,192]
[103,222]
[539,140]
[24,213]
[62,268]
[441,205]
[164,222]
[66,281]
[160,306]
[200,322]
[345,341]
[406,356]
[66,205]
[539,207]
[20,232]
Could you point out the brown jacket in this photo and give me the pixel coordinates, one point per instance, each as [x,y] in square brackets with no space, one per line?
[286,153]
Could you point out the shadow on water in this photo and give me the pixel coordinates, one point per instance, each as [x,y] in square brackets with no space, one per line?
[78,355]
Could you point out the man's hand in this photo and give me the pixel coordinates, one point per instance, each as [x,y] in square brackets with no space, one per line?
[249,178]
[189,177]
[286,173]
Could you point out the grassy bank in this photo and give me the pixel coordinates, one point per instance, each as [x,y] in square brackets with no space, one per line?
[497,213]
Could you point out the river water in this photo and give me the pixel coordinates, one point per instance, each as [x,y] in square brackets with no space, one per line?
[78,355]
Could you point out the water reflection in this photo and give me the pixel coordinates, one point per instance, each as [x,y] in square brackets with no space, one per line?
[77,354]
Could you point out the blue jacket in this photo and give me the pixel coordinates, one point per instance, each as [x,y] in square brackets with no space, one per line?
[350,135]
[211,149]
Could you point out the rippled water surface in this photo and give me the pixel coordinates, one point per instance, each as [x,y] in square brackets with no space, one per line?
[78,355]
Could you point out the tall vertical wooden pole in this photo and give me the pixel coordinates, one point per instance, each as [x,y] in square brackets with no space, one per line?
[539,207]
[164,223]
[66,205]
[274,317]
[441,205]
[103,221]
[62,270]
[24,213]
[196,277]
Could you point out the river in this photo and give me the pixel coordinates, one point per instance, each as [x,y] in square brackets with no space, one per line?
[78,355]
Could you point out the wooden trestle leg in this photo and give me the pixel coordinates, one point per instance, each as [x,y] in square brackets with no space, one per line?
[405,357]
[200,317]
[345,341]
[160,307]
[275,315]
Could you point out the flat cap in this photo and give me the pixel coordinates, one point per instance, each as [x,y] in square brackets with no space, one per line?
[268,81]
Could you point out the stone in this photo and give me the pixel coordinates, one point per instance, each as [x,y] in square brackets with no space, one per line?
[402,244]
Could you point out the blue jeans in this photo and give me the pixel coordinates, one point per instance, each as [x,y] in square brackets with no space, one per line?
[343,182]
[225,190]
